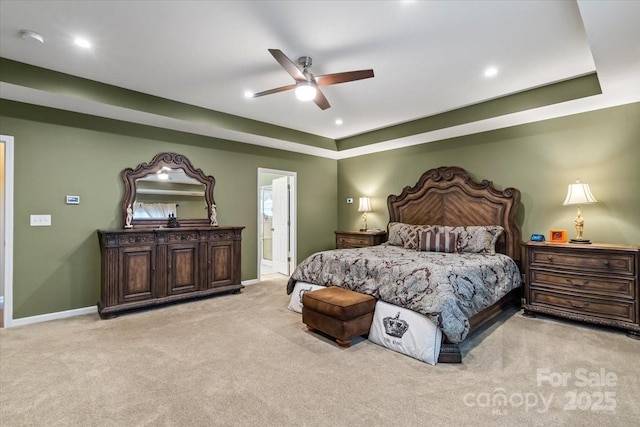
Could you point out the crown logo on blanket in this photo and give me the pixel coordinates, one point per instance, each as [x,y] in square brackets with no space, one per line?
[395,326]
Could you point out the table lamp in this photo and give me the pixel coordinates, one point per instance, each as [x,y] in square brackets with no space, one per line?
[579,194]
[365,206]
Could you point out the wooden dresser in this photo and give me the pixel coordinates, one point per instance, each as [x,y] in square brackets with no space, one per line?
[596,283]
[146,267]
[359,239]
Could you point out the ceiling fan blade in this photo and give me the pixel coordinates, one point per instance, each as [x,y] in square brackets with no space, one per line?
[288,65]
[276,90]
[321,101]
[349,76]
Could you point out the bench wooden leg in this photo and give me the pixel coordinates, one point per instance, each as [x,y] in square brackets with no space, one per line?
[342,343]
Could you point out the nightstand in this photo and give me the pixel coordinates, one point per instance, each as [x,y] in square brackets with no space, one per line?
[595,283]
[359,239]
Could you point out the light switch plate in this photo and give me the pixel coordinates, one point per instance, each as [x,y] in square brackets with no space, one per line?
[40,220]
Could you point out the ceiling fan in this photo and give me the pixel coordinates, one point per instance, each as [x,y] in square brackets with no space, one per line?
[307,85]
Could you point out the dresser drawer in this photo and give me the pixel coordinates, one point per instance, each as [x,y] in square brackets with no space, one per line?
[618,263]
[352,241]
[582,284]
[593,307]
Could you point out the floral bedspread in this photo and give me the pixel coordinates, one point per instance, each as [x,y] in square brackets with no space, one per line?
[449,288]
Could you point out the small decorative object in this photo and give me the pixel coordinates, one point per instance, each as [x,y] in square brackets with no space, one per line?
[394,326]
[127,223]
[214,215]
[579,194]
[365,206]
[558,236]
[172,222]
[537,238]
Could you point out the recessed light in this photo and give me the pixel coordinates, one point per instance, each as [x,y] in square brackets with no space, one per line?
[31,35]
[338,122]
[79,41]
[248,94]
[491,72]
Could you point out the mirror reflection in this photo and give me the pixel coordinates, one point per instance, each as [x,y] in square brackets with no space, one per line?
[169,191]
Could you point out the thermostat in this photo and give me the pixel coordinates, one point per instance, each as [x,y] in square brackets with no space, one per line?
[73,200]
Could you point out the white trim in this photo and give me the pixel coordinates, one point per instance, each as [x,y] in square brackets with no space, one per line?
[293,206]
[8,229]
[54,316]
[250,282]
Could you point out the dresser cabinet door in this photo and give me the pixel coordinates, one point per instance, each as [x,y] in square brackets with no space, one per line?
[182,268]
[137,280]
[220,264]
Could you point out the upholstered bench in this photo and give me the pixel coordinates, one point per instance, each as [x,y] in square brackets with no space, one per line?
[339,313]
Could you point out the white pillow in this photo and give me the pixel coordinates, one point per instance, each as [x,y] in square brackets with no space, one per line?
[406,332]
[295,304]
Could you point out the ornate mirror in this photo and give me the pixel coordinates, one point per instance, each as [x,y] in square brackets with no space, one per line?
[168,186]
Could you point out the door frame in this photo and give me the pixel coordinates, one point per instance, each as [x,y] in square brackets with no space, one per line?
[293,227]
[8,228]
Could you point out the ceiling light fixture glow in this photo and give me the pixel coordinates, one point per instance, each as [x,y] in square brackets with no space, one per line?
[305,91]
[248,94]
[82,42]
[491,72]
[338,122]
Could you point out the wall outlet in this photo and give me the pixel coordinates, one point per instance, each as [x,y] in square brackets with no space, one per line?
[40,220]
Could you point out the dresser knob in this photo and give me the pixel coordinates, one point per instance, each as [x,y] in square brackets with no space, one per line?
[606,262]
[584,283]
[577,305]
[549,257]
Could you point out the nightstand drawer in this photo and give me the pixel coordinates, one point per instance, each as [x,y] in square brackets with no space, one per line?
[617,310]
[352,241]
[619,263]
[605,286]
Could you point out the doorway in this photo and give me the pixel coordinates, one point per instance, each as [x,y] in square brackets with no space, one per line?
[6,230]
[276,222]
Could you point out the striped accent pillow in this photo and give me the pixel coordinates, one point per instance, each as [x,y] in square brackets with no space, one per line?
[437,242]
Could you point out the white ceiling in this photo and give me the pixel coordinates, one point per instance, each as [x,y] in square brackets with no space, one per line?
[428,57]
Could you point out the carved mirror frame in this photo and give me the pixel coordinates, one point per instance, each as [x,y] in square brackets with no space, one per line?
[173,161]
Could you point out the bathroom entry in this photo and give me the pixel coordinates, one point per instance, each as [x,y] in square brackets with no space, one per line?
[276,221]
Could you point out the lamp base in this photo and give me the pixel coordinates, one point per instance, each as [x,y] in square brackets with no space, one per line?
[363,229]
[581,241]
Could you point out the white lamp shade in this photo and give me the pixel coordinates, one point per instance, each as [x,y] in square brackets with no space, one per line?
[579,194]
[305,91]
[365,205]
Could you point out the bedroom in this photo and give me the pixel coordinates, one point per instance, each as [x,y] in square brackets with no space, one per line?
[56,269]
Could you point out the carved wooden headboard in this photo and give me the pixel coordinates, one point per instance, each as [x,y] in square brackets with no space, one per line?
[449,196]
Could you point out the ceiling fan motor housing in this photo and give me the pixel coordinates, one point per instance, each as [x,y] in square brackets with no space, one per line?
[305,61]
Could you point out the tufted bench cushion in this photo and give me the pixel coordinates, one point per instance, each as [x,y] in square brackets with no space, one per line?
[339,313]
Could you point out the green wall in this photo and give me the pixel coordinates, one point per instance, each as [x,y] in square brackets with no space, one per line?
[59,153]
[540,159]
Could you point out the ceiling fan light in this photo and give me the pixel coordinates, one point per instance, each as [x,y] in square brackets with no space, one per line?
[305,91]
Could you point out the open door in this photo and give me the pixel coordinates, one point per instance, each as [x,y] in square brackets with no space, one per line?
[276,221]
[281,225]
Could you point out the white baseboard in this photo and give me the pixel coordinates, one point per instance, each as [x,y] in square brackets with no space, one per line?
[76,312]
[53,316]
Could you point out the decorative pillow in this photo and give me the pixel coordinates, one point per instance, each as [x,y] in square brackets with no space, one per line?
[394,237]
[479,239]
[409,234]
[295,303]
[437,242]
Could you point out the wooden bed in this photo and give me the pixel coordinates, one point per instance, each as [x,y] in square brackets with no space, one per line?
[449,196]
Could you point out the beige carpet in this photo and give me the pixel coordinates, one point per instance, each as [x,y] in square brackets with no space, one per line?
[245,360]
